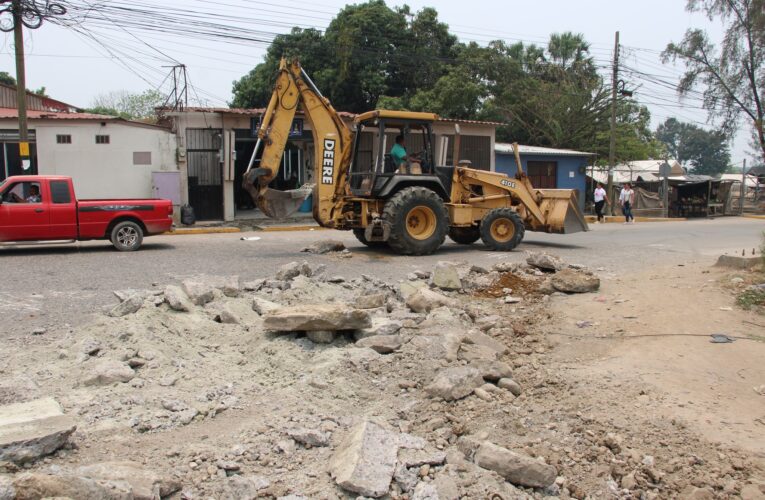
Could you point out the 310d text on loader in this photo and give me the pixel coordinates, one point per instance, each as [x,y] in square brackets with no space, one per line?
[410,208]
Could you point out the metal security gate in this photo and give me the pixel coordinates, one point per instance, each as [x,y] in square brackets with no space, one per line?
[205,172]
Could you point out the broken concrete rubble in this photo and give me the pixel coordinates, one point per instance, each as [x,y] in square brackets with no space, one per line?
[108,372]
[446,277]
[331,317]
[177,299]
[517,468]
[384,344]
[309,437]
[32,430]
[572,281]
[544,261]
[200,293]
[292,270]
[144,484]
[129,306]
[263,306]
[455,383]
[325,246]
[365,461]
[380,326]
[321,336]
[424,300]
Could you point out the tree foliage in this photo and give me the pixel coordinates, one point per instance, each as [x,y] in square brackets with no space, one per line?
[128,105]
[705,151]
[374,56]
[731,75]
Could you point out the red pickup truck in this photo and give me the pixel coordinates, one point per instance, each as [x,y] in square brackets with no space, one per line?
[43,208]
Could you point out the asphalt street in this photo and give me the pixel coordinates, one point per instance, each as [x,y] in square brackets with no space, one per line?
[53,286]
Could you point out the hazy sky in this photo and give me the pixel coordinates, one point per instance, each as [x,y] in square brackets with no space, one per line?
[74,69]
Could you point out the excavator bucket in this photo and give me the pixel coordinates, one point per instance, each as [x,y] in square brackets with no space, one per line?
[562,209]
[282,204]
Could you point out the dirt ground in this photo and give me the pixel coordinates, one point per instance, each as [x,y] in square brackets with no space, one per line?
[622,390]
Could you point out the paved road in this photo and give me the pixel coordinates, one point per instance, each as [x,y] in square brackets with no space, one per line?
[50,286]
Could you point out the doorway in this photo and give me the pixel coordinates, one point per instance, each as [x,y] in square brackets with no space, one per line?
[205,172]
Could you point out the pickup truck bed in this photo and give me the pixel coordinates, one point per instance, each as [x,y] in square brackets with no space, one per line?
[44,208]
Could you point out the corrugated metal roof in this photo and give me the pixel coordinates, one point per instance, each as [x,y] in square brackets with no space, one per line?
[506,148]
[54,115]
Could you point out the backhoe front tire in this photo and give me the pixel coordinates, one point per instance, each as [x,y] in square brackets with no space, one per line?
[418,221]
[359,234]
[465,235]
[502,229]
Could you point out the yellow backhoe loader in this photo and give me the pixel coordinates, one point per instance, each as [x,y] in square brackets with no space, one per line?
[410,207]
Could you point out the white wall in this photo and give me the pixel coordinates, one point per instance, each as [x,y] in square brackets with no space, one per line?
[105,170]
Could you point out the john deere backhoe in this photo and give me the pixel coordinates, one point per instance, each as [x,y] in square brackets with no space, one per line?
[410,207]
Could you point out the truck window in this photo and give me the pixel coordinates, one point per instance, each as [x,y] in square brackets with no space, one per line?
[59,192]
[23,192]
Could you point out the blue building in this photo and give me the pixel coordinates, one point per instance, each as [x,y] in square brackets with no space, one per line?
[547,168]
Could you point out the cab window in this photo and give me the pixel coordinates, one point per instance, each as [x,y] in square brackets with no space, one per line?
[23,192]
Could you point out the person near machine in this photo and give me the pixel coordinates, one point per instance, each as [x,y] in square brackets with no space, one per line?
[601,198]
[627,199]
[404,163]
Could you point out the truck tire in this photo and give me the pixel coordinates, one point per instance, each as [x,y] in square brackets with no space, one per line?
[418,221]
[502,229]
[127,236]
[359,234]
[465,235]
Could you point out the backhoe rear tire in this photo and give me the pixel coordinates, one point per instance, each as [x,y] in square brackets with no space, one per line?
[465,235]
[359,234]
[502,229]
[418,221]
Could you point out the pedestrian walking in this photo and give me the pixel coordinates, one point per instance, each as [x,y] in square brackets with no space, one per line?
[627,200]
[601,198]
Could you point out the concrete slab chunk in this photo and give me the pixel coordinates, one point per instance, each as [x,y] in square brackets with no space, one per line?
[316,317]
[31,430]
[365,461]
[519,469]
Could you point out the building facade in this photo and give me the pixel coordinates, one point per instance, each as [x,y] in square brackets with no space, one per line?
[107,157]
[547,168]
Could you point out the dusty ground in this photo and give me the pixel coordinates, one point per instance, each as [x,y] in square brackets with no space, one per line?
[619,414]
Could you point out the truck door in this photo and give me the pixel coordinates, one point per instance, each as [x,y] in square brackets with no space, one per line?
[24,214]
[63,210]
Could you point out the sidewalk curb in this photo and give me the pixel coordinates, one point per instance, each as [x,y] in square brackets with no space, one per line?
[202,230]
[274,229]
[762,217]
[616,219]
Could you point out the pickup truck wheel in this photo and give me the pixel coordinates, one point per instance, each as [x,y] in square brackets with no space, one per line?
[502,229]
[127,236]
[418,221]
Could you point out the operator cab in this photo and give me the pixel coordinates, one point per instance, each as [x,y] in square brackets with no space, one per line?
[393,149]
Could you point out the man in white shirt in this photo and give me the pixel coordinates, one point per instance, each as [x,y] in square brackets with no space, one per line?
[627,198]
[601,198]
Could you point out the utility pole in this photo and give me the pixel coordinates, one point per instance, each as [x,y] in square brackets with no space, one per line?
[21,84]
[743,189]
[30,14]
[612,148]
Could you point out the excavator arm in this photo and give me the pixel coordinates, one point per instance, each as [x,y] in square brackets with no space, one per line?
[333,144]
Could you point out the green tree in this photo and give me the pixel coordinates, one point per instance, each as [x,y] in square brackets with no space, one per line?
[731,75]
[308,45]
[128,105]
[705,151]
[7,78]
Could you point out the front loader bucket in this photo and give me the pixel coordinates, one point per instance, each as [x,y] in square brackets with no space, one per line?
[282,204]
[562,210]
